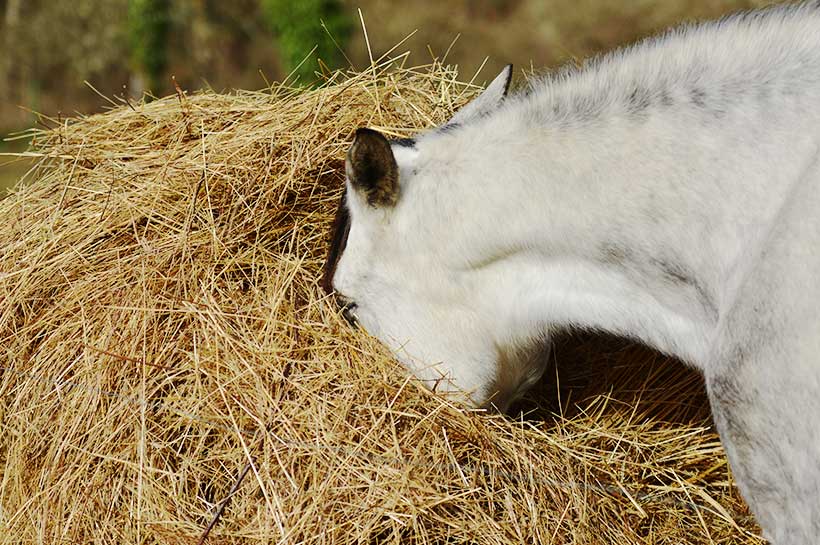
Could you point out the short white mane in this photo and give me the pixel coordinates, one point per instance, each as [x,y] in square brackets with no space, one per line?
[750,55]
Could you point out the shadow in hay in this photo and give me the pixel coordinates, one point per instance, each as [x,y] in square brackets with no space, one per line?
[635,379]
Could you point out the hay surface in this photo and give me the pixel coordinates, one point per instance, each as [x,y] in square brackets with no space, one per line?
[162,330]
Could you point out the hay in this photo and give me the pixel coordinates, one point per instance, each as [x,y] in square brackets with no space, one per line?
[162,331]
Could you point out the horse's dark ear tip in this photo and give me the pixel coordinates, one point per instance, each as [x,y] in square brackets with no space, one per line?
[371,167]
[509,70]
[366,132]
[358,133]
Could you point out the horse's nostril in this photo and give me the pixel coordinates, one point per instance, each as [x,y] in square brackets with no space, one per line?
[348,315]
[347,307]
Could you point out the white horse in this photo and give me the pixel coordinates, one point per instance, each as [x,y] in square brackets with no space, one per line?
[668,192]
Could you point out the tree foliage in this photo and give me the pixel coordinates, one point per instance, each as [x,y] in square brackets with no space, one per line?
[298,26]
[148,24]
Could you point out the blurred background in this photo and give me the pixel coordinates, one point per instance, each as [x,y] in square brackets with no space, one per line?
[56,53]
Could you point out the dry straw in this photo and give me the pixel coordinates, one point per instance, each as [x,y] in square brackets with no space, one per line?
[162,332]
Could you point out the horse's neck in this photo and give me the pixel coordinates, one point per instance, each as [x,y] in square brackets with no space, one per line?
[639,226]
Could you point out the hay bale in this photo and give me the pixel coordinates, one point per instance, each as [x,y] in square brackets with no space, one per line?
[162,332]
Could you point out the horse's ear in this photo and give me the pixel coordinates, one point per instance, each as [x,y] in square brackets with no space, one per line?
[371,168]
[490,99]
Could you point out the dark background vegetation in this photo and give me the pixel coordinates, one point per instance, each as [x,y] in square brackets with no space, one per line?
[50,48]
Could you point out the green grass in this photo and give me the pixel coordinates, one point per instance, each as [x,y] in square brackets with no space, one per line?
[10,174]
[12,168]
